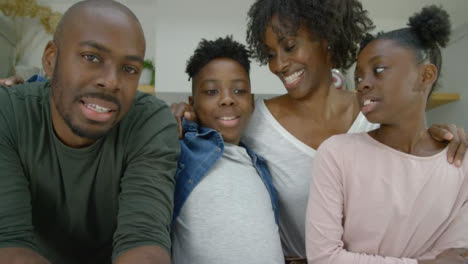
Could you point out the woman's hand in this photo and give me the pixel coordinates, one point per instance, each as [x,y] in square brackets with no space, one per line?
[458,141]
[184,110]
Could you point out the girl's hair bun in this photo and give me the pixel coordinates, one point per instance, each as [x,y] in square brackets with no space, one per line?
[431,25]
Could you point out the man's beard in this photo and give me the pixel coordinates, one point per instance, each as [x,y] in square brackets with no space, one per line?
[57,89]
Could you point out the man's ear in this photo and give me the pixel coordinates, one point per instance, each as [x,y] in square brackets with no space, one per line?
[429,76]
[190,99]
[49,59]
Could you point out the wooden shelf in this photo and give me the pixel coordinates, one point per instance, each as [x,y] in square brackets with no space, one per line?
[438,99]
[146,89]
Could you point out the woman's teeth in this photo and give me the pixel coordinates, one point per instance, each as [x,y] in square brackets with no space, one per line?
[293,77]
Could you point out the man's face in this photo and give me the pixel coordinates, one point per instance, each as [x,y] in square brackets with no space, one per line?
[222,99]
[98,62]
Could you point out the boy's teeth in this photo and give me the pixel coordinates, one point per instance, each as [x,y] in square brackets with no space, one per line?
[293,77]
[228,118]
[98,108]
[367,102]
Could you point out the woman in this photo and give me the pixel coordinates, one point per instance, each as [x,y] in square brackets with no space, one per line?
[389,196]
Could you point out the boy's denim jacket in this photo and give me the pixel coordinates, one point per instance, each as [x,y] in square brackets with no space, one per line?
[200,150]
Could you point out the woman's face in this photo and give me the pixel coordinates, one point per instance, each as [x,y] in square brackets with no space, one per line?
[300,59]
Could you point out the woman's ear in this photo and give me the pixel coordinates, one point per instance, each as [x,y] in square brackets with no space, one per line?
[327,48]
[49,59]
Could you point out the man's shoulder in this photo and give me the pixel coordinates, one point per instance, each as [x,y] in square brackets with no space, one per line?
[146,108]
[22,100]
[34,91]
[149,120]
[145,98]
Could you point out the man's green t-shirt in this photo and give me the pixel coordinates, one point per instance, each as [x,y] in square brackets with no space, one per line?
[84,205]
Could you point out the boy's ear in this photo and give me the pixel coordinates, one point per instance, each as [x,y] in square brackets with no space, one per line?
[190,99]
[253,101]
[49,59]
[429,76]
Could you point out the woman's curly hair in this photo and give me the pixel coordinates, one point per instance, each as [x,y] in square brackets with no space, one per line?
[343,23]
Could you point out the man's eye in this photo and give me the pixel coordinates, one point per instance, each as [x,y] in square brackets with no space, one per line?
[91,58]
[130,69]
[357,79]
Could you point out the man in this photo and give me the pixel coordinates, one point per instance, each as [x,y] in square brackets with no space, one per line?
[87,163]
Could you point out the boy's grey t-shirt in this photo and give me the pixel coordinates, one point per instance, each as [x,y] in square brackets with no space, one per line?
[228,218]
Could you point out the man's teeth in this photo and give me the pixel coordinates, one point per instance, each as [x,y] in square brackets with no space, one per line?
[98,108]
[227,118]
[293,77]
[367,102]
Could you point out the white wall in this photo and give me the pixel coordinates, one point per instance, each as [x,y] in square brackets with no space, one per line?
[181,24]
[36,38]
[454,72]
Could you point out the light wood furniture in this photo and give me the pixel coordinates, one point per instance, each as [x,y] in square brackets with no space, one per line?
[146,89]
[438,99]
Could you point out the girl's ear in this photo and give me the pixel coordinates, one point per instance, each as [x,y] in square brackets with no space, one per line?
[429,76]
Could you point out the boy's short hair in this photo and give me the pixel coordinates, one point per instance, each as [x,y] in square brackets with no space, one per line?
[209,50]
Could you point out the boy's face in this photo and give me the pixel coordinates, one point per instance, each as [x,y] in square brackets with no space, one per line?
[222,99]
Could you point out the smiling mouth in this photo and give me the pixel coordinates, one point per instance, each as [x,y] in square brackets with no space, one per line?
[229,121]
[97,108]
[293,78]
[228,118]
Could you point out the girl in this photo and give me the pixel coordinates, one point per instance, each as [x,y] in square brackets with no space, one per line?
[389,196]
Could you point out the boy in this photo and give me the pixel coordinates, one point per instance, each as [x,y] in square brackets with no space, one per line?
[225,205]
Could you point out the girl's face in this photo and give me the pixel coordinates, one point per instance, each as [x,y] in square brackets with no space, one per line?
[300,60]
[389,82]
